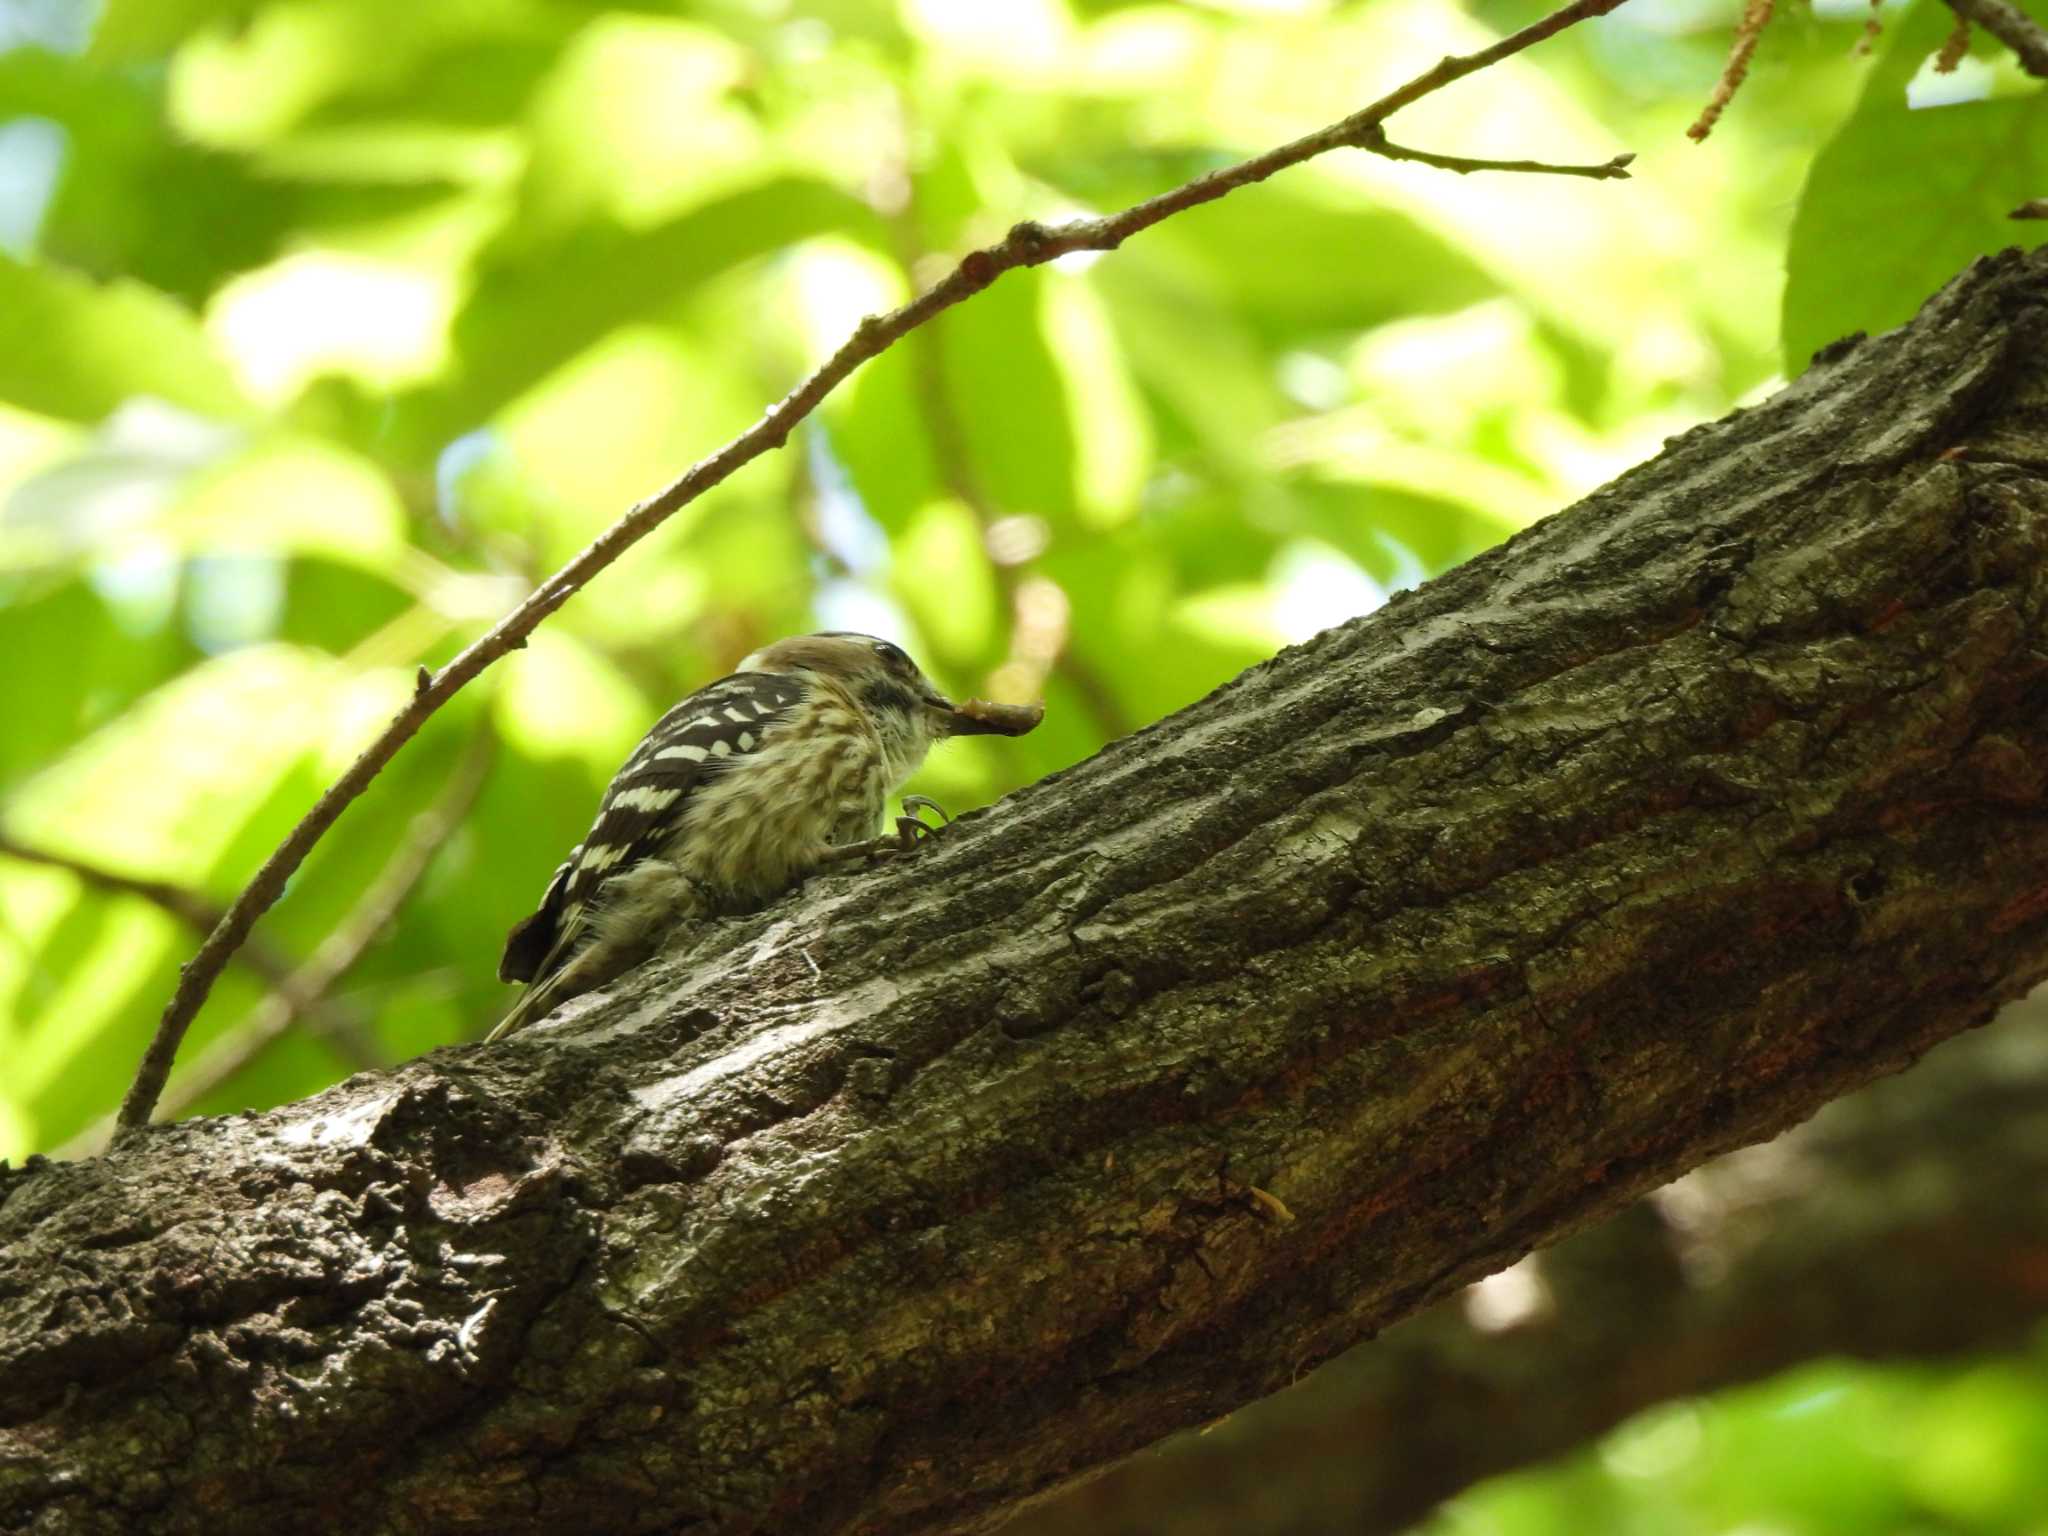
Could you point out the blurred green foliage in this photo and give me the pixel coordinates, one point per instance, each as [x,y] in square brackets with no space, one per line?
[328,326]
[1871,238]
[1831,1448]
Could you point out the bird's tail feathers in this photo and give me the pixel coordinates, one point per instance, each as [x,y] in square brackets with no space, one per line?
[530,1006]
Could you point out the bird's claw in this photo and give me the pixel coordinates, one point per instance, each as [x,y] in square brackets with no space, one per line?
[909,830]
[911,825]
[913,804]
[905,834]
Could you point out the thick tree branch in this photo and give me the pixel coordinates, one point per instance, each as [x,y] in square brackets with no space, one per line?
[1902,1223]
[936,1186]
[1026,245]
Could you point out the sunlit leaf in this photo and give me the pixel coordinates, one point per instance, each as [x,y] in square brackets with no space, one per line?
[878,429]
[74,348]
[214,740]
[1900,200]
[107,665]
[295,496]
[1370,264]
[324,312]
[1207,382]
[535,308]
[943,577]
[1009,400]
[1113,449]
[83,971]
[559,698]
[619,422]
[131,198]
[1978,1453]
[128,30]
[640,120]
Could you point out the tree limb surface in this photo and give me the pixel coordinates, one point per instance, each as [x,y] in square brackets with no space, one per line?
[942,1184]
[1902,1224]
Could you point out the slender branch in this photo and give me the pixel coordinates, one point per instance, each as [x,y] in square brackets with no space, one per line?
[2026,37]
[1028,244]
[182,902]
[202,912]
[1607,170]
[303,991]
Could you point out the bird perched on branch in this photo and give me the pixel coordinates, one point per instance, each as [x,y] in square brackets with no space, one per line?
[739,792]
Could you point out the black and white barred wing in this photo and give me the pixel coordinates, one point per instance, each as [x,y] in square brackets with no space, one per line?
[644,805]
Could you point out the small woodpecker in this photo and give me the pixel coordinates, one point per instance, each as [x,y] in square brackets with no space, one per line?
[739,792]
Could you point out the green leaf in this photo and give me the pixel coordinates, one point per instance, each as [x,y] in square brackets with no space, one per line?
[73,348]
[1205,376]
[534,309]
[1369,265]
[331,605]
[1376,525]
[875,424]
[134,199]
[107,666]
[209,745]
[1901,200]
[1008,399]
[132,30]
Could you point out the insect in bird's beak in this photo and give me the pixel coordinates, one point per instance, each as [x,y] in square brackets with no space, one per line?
[978,717]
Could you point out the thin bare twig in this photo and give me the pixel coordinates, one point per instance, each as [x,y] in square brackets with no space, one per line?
[202,912]
[1028,244]
[1607,170]
[2026,37]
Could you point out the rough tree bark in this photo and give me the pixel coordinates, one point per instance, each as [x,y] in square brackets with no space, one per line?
[930,1189]
[1902,1223]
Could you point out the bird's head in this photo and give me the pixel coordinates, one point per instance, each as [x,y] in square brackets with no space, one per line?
[879,675]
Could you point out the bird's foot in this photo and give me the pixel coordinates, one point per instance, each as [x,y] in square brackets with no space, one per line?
[908,831]
[911,825]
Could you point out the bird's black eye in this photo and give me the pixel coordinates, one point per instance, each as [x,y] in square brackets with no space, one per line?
[892,655]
